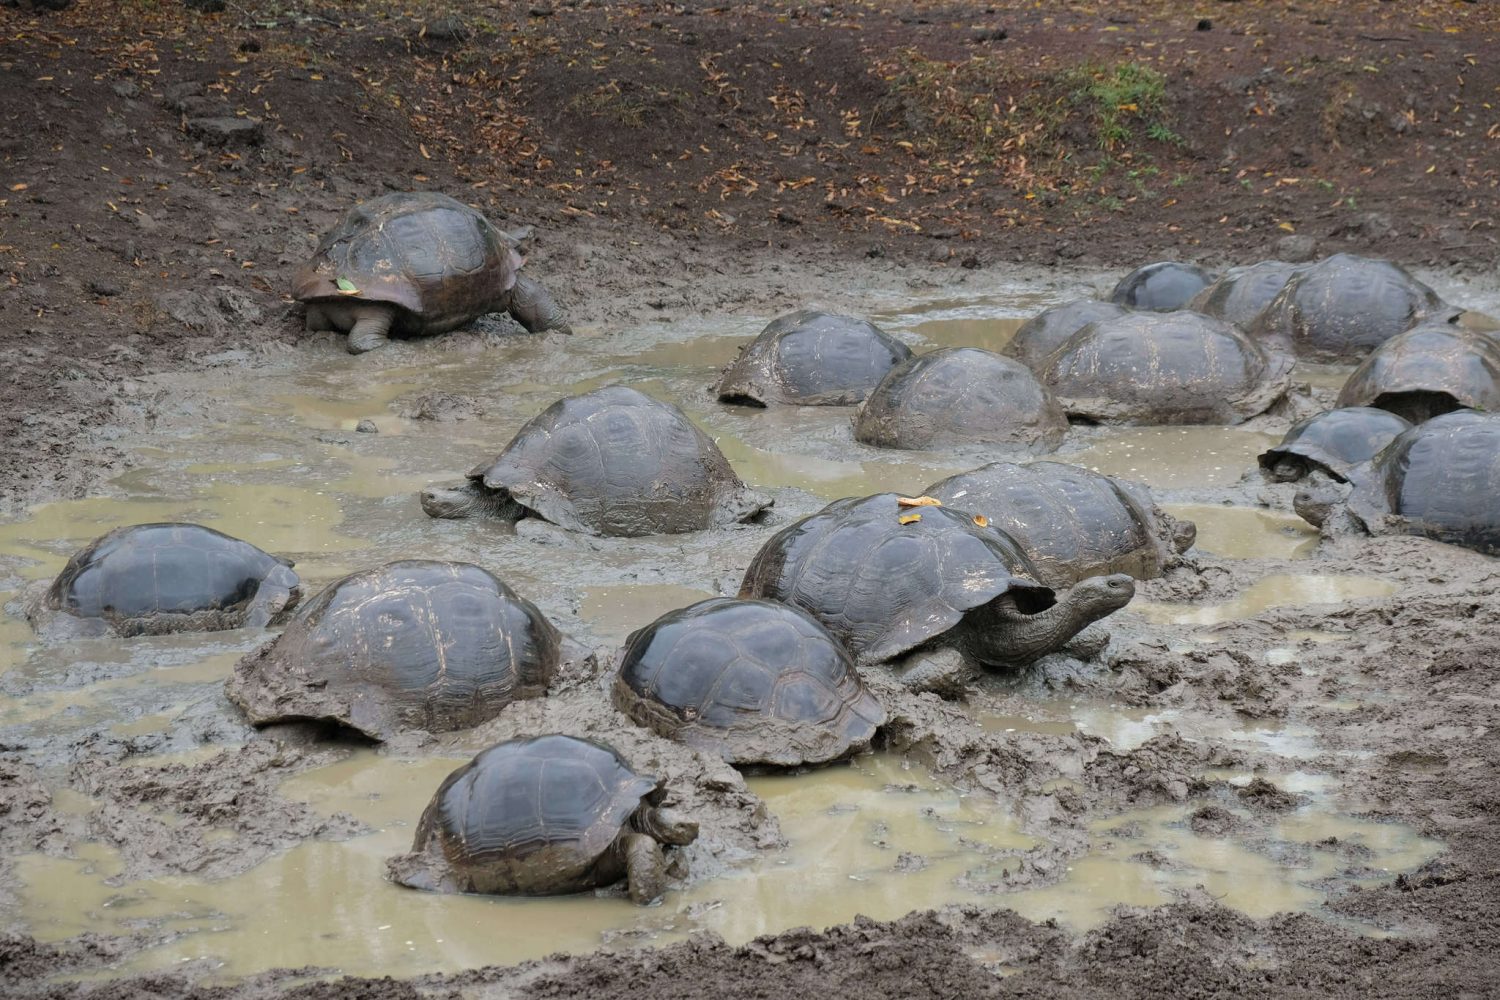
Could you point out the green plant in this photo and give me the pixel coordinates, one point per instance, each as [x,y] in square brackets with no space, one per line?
[1119,96]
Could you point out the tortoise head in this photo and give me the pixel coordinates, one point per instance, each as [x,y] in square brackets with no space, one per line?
[1318,497]
[667,825]
[1099,596]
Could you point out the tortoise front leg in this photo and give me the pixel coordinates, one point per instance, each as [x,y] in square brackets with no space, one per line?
[371,329]
[317,320]
[533,307]
[645,868]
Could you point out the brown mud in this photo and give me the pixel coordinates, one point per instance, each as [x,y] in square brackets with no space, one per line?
[161,171]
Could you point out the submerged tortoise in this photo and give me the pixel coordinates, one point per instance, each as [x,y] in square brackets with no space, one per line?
[931,586]
[1343,307]
[1241,293]
[810,358]
[1165,286]
[151,579]
[1165,368]
[541,817]
[1045,332]
[1430,369]
[609,462]
[754,681]
[1440,479]
[413,264]
[1073,523]
[957,396]
[413,644]
[1333,443]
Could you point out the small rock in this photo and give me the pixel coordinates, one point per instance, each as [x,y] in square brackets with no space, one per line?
[175,94]
[1296,248]
[366,426]
[447,29]
[1204,24]
[226,132]
[1298,157]
[990,35]
[126,89]
[51,4]
[205,6]
[104,287]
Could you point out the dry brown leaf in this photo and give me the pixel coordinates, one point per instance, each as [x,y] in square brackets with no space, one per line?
[922,501]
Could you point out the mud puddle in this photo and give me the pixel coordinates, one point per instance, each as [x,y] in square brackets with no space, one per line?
[286,467]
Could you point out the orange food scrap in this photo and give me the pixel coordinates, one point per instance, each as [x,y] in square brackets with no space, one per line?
[981,520]
[909,518]
[919,502]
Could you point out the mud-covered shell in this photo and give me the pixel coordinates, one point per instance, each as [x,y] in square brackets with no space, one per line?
[1045,332]
[1343,307]
[439,260]
[1165,368]
[151,579]
[1241,293]
[958,396]
[1440,479]
[756,682]
[1335,441]
[413,644]
[1073,523]
[617,462]
[810,358]
[1164,286]
[1436,366]
[536,817]
[883,587]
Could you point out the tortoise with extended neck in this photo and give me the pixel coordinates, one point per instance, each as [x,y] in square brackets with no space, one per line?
[413,264]
[937,589]
[1439,479]
[541,817]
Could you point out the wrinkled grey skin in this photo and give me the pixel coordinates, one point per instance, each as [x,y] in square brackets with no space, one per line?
[470,498]
[1323,502]
[1000,634]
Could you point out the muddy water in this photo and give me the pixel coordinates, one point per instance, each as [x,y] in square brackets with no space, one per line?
[284,467]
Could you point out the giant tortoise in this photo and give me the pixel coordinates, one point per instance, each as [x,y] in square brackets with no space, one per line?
[609,462]
[1073,523]
[1164,286]
[957,396]
[151,579]
[1165,368]
[1343,307]
[416,263]
[1333,443]
[544,816]
[1430,369]
[754,681]
[413,644]
[1045,332]
[891,576]
[811,358]
[1241,293]
[1440,479]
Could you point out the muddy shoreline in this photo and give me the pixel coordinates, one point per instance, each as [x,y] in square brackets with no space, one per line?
[134,307]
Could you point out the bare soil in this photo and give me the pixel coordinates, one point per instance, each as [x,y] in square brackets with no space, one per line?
[163,170]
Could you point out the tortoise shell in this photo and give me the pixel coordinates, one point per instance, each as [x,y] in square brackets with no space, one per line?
[1333,442]
[1161,287]
[810,358]
[1045,332]
[957,396]
[1343,307]
[1165,368]
[754,681]
[617,462]
[413,644]
[150,579]
[1430,369]
[439,260]
[884,587]
[1241,293]
[537,817]
[1073,523]
[1440,479]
